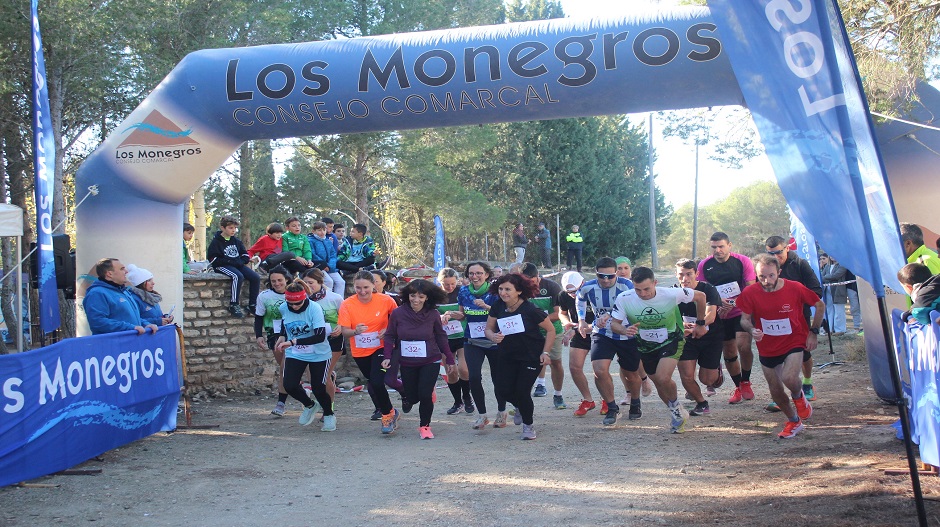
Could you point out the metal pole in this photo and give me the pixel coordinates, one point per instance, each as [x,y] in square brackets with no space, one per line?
[695,209]
[558,238]
[653,252]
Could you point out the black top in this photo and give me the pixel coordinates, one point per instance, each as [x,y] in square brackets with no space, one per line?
[525,346]
[712,298]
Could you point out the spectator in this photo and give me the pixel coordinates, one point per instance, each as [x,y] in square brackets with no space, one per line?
[323,255]
[519,242]
[544,238]
[924,289]
[140,282]
[270,252]
[835,293]
[188,232]
[228,256]
[298,244]
[109,306]
[575,247]
[915,250]
[358,250]
[851,289]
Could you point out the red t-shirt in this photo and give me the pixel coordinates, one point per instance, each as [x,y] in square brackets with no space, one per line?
[779,315]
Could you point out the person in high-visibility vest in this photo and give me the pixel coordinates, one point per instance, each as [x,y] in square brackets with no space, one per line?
[575,246]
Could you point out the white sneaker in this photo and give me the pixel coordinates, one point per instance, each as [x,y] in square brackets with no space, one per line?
[309,414]
[329,423]
[481,422]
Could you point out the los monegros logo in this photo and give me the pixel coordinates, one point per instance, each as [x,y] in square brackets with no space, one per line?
[156,139]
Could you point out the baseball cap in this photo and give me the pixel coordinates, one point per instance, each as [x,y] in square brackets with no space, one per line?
[571,280]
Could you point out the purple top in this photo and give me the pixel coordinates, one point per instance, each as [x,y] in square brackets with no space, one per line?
[424,330]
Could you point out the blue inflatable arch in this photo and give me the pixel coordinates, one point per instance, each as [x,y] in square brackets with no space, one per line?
[214,100]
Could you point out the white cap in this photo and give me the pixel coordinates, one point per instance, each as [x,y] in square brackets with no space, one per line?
[136,275]
[571,281]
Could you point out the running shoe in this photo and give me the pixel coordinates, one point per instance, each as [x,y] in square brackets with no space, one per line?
[647,387]
[710,391]
[610,418]
[701,409]
[481,422]
[689,396]
[455,409]
[528,432]
[679,417]
[635,411]
[309,413]
[406,405]
[809,392]
[772,407]
[540,391]
[500,421]
[791,429]
[236,311]
[604,407]
[584,408]
[559,402]
[626,399]
[517,418]
[468,405]
[425,432]
[278,409]
[390,422]
[736,396]
[329,423]
[803,408]
[746,391]
[376,415]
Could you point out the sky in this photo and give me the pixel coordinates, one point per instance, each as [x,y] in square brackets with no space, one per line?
[675,160]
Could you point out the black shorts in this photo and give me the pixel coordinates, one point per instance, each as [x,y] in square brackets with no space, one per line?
[272,340]
[455,344]
[732,326]
[706,352]
[651,360]
[604,348]
[577,341]
[337,344]
[773,362]
[807,355]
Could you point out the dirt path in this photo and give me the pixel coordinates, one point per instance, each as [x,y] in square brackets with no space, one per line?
[728,469]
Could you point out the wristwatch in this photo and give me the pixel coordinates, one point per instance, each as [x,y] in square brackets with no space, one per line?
[814,331]
[700,322]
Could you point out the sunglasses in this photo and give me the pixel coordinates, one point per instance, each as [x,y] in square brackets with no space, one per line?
[775,253]
[603,276]
[296,303]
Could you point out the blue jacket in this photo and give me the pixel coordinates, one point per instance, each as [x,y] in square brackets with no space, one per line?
[322,251]
[151,314]
[110,308]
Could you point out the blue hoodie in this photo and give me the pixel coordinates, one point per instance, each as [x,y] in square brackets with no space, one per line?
[322,251]
[110,308]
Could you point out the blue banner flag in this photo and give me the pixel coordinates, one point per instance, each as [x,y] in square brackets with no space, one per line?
[799,79]
[805,244]
[44,166]
[440,261]
[917,347]
[73,400]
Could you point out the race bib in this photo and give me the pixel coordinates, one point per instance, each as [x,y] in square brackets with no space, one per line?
[476,330]
[689,320]
[729,290]
[368,340]
[414,348]
[276,325]
[452,327]
[510,325]
[776,328]
[654,335]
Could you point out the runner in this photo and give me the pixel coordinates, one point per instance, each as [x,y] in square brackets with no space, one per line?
[303,342]
[547,299]
[730,273]
[705,350]
[451,317]
[475,300]
[578,346]
[623,270]
[796,269]
[600,295]
[516,326]
[773,315]
[415,344]
[330,302]
[364,318]
[268,327]
[653,318]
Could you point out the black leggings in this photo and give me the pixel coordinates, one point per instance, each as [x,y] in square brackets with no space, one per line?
[294,370]
[474,356]
[371,367]
[418,386]
[514,381]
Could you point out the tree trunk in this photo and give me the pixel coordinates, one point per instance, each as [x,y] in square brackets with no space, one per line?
[245,166]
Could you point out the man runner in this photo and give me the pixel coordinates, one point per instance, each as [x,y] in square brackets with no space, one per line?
[600,294]
[654,321]
[705,350]
[730,273]
[772,312]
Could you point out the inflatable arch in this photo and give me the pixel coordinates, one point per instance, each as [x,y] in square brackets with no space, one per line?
[214,100]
